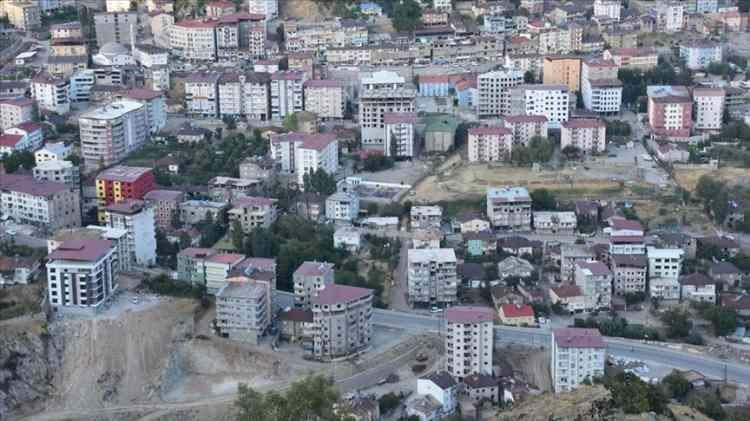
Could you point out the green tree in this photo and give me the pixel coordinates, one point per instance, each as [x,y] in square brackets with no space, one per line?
[291,122]
[312,398]
[633,395]
[678,323]
[388,402]
[238,235]
[406,16]
[571,152]
[723,319]
[319,182]
[677,385]
[529,77]
[708,404]
[18,159]
[543,199]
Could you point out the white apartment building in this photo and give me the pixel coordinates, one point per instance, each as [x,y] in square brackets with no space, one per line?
[309,279]
[431,276]
[302,153]
[609,9]
[44,204]
[63,172]
[577,355]
[600,88]
[15,111]
[443,5]
[194,39]
[149,56]
[469,340]
[550,101]
[670,16]
[82,274]
[342,321]
[509,208]
[111,132]
[494,90]
[554,41]
[267,8]
[441,386]
[643,58]
[161,23]
[154,105]
[664,262]
[399,134]
[426,217]
[119,27]
[708,108]
[382,93]
[217,269]
[286,93]
[325,98]
[22,15]
[56,151]
[202,94]
[524,127]
[253,212]
[65,30]
[242,310]
[348,238]
[118,5]
[138,220]
[587,134]
[595,280]
[555,222]
[488,144]
[51,93]
[342,206]
[705,6]
[245,95]
[698,55]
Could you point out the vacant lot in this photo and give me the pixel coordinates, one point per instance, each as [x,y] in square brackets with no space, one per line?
[688,179]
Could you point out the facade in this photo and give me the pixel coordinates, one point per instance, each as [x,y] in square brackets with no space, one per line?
[577,355]
[309,279]
[165,204]
[442,387]
[81,274]
[267,8]
[494,89]
[708,108]
[469,340]
[700,54]
[154,105]
[191,264]
[670,111]
[56,151]
[218,268]
[253,212]
[51,93]
[121,182]
[555,222]
[431,276]
[116,27]
[509,208]
[562,70]
[400,134]
[348,238]
[194,40]
[426,217]
[589,135]
[15,111]
[202,94]
[382,93]
[245,95]
[516,315]
[609,9]
[325,98]
[664,262]
[664,288]
[138,220]
[302,153]
[342,321]
[110,133]
[600,88]
[286,93]
[595,280]
[488,144]
[524,127]
[45,204]
[242,310]
[629,273]
[195,211]
[569,296]
[63,172]
[633,58]
[22,15]
[342,207]
[550,101]
[669,16]
[698,287]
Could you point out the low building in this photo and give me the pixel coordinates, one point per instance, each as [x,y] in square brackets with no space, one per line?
[698,287]
[308,279]
[569,296]
[241,311]
[514,267]
[424,407]
[426,239]
[481,388]
[664,262]
[18,270]
[443,388]
[577,355]
[342,320]
[664,288]
[348,238]
[469,222]
[342,207]
[516,315]
[595,280]
[726,273]
[195,211]
[439,133]
[165,204]
[57,151]
[480,243]
[253,212]
[570,256]
[44,204]
[63,172]
[509,208]
[426,217]
[629,272]
[555,222]
[519,246]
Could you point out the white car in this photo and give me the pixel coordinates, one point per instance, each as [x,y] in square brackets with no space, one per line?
[436,309]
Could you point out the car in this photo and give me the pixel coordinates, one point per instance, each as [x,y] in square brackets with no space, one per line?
[612,155]
[135,300]
[436,309]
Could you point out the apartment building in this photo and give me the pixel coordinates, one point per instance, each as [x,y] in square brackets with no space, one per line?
[524,127]
[81,274]
[494,89]
[66,30]
[119,27]
[245,95]
[121,182]
[165,204]
[253,212]
[23,15]
[431,276]
[117,5]
[489,144]
[509,208]
[589,135]
[629,273]
[342,321]
[15,111]
[697,55]
[669,16]
[382,93]
[319,35]
[643,58]
[191,264]
[400,131]
[309,279]
[154,104]
[608,9]
[161,23]
[555,222]
[63,172]
[202,94]
[469,340]
[26,136]
[194,39]
[577,355]
[698,287]
[286,93]
[45,204]
[325,98]
[342,207]
[302,153]
[138,220]
[708,108]
[194,211]
[149,56]
[218,268]
[220,8]
[555,40]
[670,111]
[425,217]
[268,8]
[664,262]
[595,280]
[562,70]
[600,88]
[112,132]
[550,101]
[242,311]
[51,93]
[11,89]
[52,151]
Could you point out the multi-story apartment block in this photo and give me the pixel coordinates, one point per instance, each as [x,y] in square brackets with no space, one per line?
[325,98]
[643,58]
[15,111]
[487,144]
[708,108]
[268,8]
[629,272]
[589,135]
[149,56]
[509,208]
[524,127]
[117,6]
[550,101]
[431,276]
[165,204]
[242,310]
[670,16]
[302,153]
[342,206]
[551,222]
[220,8]
[286,93]
[309,279]
[562,70]
[577,355]
[65,30]
[161,23]
[698,55]
[399,134]
[63,172]
[218,268]
[119,183]
[202,93]
[11,89]
[426,217]
[154,104]
[138,220]
[51,93]
[82,274]
[609,9]
[111,132]
[664,262]
[245,95]
[317,36]
[600,88]
[303,61]
[52,151]
[23,15]
[342,319]
[253,212]
[595,280]
[197,40]
[554,41]
[45,204]
[670,111]
[494,90]
[119,27]
[191,266]
[382,93]
[469,340]
[194,211]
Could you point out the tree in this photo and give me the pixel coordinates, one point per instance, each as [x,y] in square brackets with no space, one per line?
[377,162]
[312,398]
[238,235]
[406,16]
[677,385]
[18,159]
[708,404]
[291,122]
[388,402]
[539,149]
[723,319]
[633,395]
[678,323]
[529,77]
[320,182]
[543,199]
[571,152]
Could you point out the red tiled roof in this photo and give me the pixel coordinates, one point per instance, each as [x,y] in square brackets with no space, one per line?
[736,301]
[128,206]
[197,23]
[626,239]
[517,310]
[338,294]
[163,195]
[10,140]
[29,126]
[584,123]
[18,102]
[226,258]
[313,269]
[568,291]
[89,250]
[316,141]
[253,201]
[27,184]
[469,314]
[287,75]
[696,279]
[197,252]
[570,337]
[626,224]
[489,131]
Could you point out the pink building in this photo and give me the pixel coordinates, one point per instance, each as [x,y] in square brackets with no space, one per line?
[670,111]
